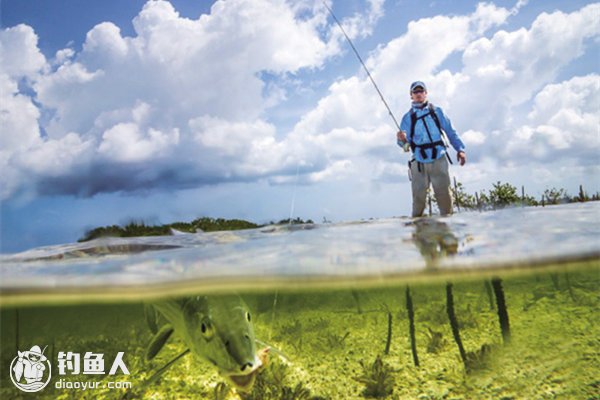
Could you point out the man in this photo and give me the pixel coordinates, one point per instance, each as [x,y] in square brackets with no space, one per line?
[421,129]
[30,365]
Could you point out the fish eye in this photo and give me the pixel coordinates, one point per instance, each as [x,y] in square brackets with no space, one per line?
[248,317]
[207,329]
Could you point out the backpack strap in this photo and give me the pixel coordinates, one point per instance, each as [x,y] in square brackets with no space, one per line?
[432,145]
[413,122]
[439,126]
[436,119]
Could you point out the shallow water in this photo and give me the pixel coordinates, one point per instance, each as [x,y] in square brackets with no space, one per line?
[334,254]
[329,340]
[332,302]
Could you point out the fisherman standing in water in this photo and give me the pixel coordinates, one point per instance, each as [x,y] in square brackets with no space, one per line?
[422,130]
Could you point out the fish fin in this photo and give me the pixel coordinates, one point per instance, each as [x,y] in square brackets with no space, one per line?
[161,371]
[151,318]
[273,349]
[158,341]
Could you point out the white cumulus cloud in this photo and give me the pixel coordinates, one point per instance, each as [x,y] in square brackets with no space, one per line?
[184,102]
[179,103]
[564,122]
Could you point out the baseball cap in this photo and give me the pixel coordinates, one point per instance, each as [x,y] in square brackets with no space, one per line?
[417,84]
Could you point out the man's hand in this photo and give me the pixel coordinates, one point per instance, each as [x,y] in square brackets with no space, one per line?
[401,135]
[461,157]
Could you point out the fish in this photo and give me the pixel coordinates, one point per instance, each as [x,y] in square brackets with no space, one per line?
[217,329]
[19,367]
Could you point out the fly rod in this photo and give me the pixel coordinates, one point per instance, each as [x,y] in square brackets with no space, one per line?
[363,64]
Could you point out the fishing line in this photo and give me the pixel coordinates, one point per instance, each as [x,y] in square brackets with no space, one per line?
[289,225]
[374,85]
[363,64]
[273,315]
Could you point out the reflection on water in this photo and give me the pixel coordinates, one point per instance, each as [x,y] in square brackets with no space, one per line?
[435,240]
[344,252]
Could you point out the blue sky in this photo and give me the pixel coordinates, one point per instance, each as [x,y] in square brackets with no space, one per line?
[166,111]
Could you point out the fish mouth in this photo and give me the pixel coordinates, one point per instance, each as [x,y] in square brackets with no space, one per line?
[244,382]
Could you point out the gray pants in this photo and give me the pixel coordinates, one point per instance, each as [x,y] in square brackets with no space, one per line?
[436,173]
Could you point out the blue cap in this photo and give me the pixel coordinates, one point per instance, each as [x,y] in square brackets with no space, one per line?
[417,84]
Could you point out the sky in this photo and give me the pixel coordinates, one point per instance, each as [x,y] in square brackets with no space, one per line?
[162,111]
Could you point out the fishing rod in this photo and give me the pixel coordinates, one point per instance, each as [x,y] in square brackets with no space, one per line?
[376,88]
[363,64]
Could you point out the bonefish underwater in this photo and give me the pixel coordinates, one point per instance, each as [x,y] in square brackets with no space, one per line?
[218,330]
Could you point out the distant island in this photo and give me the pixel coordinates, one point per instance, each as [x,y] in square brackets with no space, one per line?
[204,224]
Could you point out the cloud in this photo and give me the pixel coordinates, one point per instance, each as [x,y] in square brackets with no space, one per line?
[564,123]
[359,25]
[19,54]
[126,143]
[185,102]
[522,61]
[180,103]
[20,62]
[507,70]
[244,149]
[473,138]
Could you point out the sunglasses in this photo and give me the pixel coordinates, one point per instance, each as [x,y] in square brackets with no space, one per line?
[418,91]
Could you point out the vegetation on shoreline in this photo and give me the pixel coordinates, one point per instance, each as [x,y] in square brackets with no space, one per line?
[504,194]
[204,224]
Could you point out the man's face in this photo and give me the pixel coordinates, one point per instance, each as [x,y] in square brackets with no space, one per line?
[418,95]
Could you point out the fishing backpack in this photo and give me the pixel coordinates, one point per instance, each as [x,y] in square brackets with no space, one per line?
[431,145]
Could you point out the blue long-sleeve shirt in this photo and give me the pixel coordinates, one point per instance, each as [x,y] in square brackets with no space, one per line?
[429,133]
